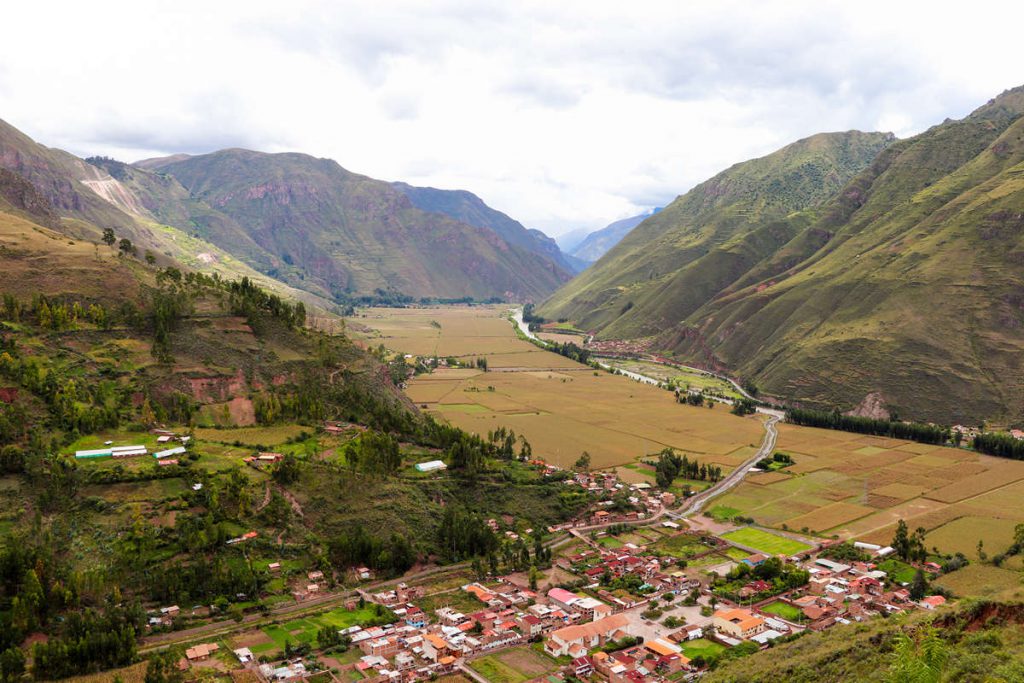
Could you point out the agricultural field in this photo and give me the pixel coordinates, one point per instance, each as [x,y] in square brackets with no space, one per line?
[683,546]
[514,666]
[680,377]
[765,542]
[984,581]
[561,407]
[857,487]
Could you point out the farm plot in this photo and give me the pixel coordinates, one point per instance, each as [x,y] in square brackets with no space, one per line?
[859,487]
[983,581]
[514,666]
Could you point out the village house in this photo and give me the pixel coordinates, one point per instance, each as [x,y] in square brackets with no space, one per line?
[587,636]
[739,623]
[201,652]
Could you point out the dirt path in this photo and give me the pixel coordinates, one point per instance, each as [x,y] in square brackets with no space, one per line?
[266,497]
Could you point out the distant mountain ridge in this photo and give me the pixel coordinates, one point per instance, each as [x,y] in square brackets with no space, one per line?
[466,207]
[892,280]
[598,243]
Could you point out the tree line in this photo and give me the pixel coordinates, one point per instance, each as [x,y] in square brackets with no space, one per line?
[909,431]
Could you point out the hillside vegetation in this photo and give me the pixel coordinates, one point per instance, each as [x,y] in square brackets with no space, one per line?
[981,641]
[903,291]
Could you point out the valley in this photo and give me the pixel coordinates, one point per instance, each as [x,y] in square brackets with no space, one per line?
[840,485]
[561,406]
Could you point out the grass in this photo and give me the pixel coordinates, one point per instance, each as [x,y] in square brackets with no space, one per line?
[784,610]
[765,542]
[252,436]
[683,546]
[723,513]
[513,666]
[702,647]
[305,630]
[983,581]
[898,571]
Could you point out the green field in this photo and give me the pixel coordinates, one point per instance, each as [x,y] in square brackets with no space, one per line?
[898,571]
[682,546]
[784,610]
[722,513]
[703,647]
[765,542]
[305,630]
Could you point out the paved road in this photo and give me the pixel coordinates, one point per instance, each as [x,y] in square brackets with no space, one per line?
[696,503]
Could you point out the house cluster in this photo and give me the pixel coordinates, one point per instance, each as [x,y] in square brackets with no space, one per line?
[836,593]
[652,660]
[418,647]
[401,594]
[655,576]
[314,582]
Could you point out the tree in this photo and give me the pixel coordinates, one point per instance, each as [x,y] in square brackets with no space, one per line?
[12,664]
[125,246]
[533,577]
[108,237]
[919,586]
[901,540]
[163,669]
[150,257]
[583,462]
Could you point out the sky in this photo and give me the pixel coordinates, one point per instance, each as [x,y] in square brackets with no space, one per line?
[565,114]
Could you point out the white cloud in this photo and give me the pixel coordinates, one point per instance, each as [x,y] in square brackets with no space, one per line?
[561,114]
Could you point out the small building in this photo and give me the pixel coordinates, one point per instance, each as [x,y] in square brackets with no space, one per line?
[739,623]
[177,450]
[587,636]
[431,466]
[932,602]
[244,655]
[201,652]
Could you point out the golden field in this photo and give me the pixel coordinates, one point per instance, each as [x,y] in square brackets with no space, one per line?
[562,407]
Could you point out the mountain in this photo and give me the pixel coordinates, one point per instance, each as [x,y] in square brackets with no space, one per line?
[671,263]
[904,291]
[467,208]
[346,233]
[596,244]
[570,240]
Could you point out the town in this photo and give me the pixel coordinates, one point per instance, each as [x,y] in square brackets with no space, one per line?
[632,595]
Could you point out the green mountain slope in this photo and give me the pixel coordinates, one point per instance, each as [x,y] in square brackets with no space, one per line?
[671,263]
[913,292]
[904,290]
[352,234]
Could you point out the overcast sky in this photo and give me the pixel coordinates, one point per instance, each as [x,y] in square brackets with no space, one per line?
[562,114]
